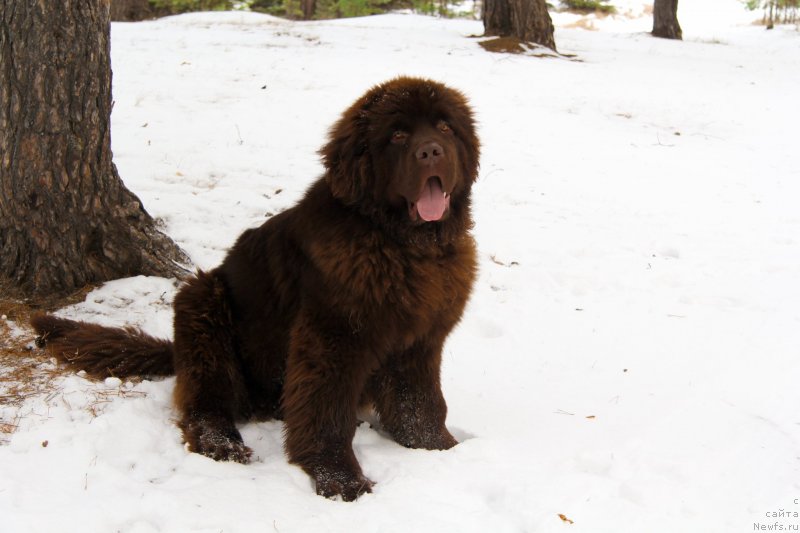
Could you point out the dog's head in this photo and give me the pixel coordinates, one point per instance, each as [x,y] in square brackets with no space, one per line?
[407,146]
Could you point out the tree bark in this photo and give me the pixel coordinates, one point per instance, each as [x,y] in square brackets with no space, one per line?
[309,8]
[665,19]
[66,219]
[497,18]
[130,10]
[771,21]
[527,20]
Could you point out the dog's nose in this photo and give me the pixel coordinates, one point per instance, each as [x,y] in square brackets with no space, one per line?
[429,152]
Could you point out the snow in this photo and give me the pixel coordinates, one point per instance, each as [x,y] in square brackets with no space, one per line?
[629,358]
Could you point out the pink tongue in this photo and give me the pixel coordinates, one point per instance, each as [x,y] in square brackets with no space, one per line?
[432,203]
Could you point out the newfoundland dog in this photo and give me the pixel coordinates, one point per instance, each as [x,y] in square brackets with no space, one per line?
[340,303]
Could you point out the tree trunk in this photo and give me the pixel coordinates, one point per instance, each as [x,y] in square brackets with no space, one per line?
[665,19]
[497,18]
[66,219]
[130,10]
[771,21]
[526,20]
[309,8]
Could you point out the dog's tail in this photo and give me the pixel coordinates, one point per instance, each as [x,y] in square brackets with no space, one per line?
[102,351]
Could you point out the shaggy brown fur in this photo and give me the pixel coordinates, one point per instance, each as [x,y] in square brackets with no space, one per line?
[340,302]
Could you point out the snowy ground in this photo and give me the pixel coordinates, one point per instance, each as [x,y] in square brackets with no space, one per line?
[629,359]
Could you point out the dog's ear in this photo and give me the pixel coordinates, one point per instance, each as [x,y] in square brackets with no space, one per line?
[346,157]
[462,120]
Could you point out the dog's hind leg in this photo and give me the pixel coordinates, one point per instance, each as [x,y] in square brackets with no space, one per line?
[210,391]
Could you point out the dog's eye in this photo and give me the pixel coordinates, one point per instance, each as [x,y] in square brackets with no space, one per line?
[399,137]
[443,126]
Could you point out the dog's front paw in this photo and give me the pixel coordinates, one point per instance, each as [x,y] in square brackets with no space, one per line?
[216,439]
[341,483]
[425,438]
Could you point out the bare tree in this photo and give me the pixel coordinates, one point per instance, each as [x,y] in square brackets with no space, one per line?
[526,20]
[665,19]
[66,219]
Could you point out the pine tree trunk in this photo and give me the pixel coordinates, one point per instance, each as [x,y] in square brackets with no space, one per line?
[532,23]
[130,10]
[496,18]
[527,20]
[771,21]
[665,19]
[66,219]
[309,8]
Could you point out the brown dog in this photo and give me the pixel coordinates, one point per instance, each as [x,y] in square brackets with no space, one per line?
[340,302]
